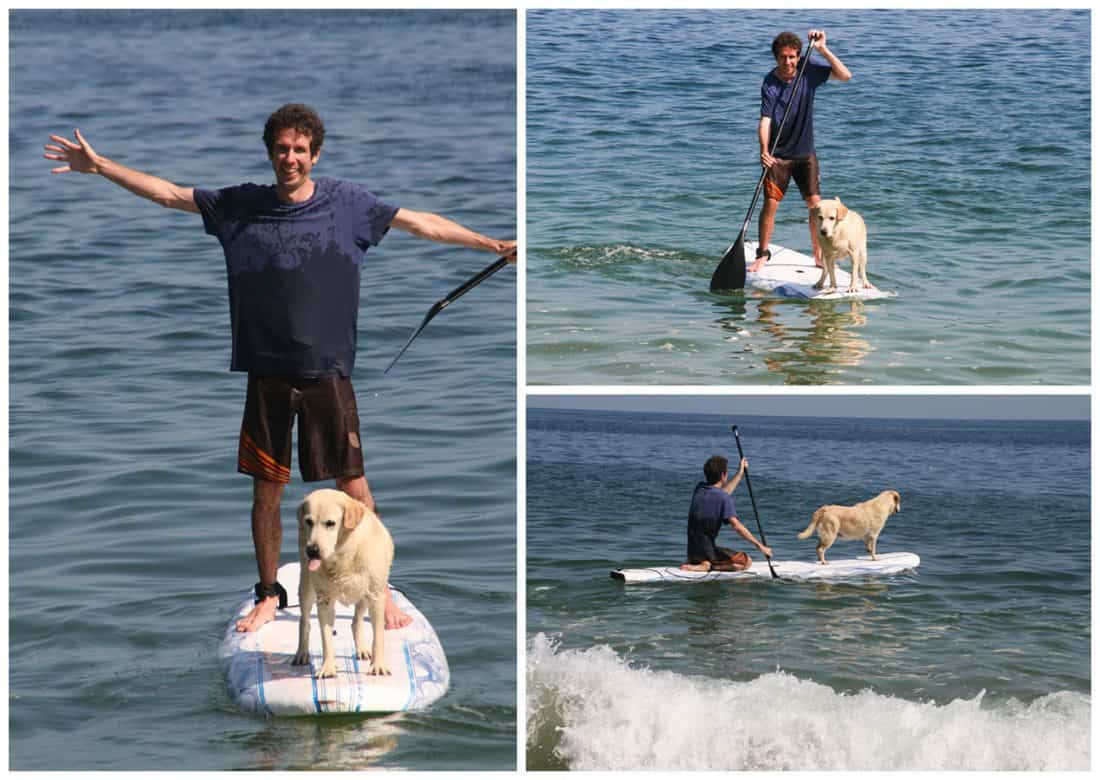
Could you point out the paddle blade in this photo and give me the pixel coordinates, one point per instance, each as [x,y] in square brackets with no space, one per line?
[730,273]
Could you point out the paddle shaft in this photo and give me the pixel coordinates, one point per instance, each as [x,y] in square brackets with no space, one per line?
[752,498]
[739,242]
[447,300]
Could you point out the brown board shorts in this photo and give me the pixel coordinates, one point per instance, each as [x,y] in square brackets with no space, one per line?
[805,172]
[328,428]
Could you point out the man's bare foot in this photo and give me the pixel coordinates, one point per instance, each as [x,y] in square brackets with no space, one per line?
[395,618]
[761,259]
[263,612]
[704,566]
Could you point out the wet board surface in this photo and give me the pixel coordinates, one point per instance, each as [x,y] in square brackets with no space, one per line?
[887,563]
[791,274]
[261,678]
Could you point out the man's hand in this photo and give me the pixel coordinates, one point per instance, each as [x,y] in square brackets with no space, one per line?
[507,250]
[78,157]
[766,551]
[817,38]
[744,466]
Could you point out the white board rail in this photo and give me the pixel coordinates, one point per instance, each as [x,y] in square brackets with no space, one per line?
[849,568]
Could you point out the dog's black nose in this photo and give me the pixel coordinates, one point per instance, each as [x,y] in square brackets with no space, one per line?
[313,551]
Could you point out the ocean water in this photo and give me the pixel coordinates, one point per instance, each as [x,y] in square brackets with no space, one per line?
[978,659]
[129,527]
[642,157]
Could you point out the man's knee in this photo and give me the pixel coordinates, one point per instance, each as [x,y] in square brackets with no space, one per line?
[356,487]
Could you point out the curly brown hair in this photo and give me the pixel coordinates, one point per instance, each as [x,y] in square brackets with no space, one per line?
[298,117]
[714,468]
[786,40]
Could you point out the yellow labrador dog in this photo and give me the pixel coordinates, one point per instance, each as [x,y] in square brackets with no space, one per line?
[841,233]
[863,521]
[346,554]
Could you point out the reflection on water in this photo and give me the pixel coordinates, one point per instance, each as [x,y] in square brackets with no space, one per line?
[809,342]
[329,742]
[811,353]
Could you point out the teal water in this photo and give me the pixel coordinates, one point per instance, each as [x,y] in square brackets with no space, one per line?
[129,526]
[963,140]
[979,659]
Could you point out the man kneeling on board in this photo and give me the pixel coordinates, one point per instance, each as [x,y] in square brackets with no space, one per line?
[711,507]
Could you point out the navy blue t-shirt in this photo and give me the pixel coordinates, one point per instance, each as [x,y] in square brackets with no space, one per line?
[293,273]
[798,134]
[711,507]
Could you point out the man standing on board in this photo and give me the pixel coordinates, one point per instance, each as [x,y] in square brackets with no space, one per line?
[293,252]
[795,154]
[712,507]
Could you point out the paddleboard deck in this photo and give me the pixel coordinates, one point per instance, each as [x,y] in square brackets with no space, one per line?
[791,274]
[261,678]
[887,563]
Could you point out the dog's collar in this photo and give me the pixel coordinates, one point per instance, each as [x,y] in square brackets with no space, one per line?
[267,591]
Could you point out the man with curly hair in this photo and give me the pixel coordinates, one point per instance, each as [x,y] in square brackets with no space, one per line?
[712,507]
[293,252]
[795,154]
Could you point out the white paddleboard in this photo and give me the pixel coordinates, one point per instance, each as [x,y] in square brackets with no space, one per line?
[887,563]
[790,274]
[261,678]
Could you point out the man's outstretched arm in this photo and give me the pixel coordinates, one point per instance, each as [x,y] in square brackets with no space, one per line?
[79,157]
[436,228]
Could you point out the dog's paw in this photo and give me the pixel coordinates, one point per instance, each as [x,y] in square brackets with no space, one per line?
[301,658]
[363,655]
[328,669]
[379,669]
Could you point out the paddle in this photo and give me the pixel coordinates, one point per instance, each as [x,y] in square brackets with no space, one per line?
[446,301]
[730,273]
[748,483]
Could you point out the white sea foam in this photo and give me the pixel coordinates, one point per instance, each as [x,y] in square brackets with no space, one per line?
[590,709]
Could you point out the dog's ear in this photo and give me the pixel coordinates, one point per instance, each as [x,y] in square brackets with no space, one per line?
[354,511]
[841,210]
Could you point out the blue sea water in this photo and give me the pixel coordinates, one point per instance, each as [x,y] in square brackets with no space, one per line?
[963,139]
[129,527]
[978,659]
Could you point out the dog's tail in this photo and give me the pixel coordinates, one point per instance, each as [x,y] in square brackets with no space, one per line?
[813,524]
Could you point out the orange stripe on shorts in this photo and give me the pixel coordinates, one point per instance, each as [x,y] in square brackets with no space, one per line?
[254,460]
[771,190]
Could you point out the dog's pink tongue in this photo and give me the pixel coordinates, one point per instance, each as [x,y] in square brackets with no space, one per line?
[314,564]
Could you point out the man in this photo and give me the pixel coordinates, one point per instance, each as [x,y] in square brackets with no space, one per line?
[293,252]
[795,154]
[711,507]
